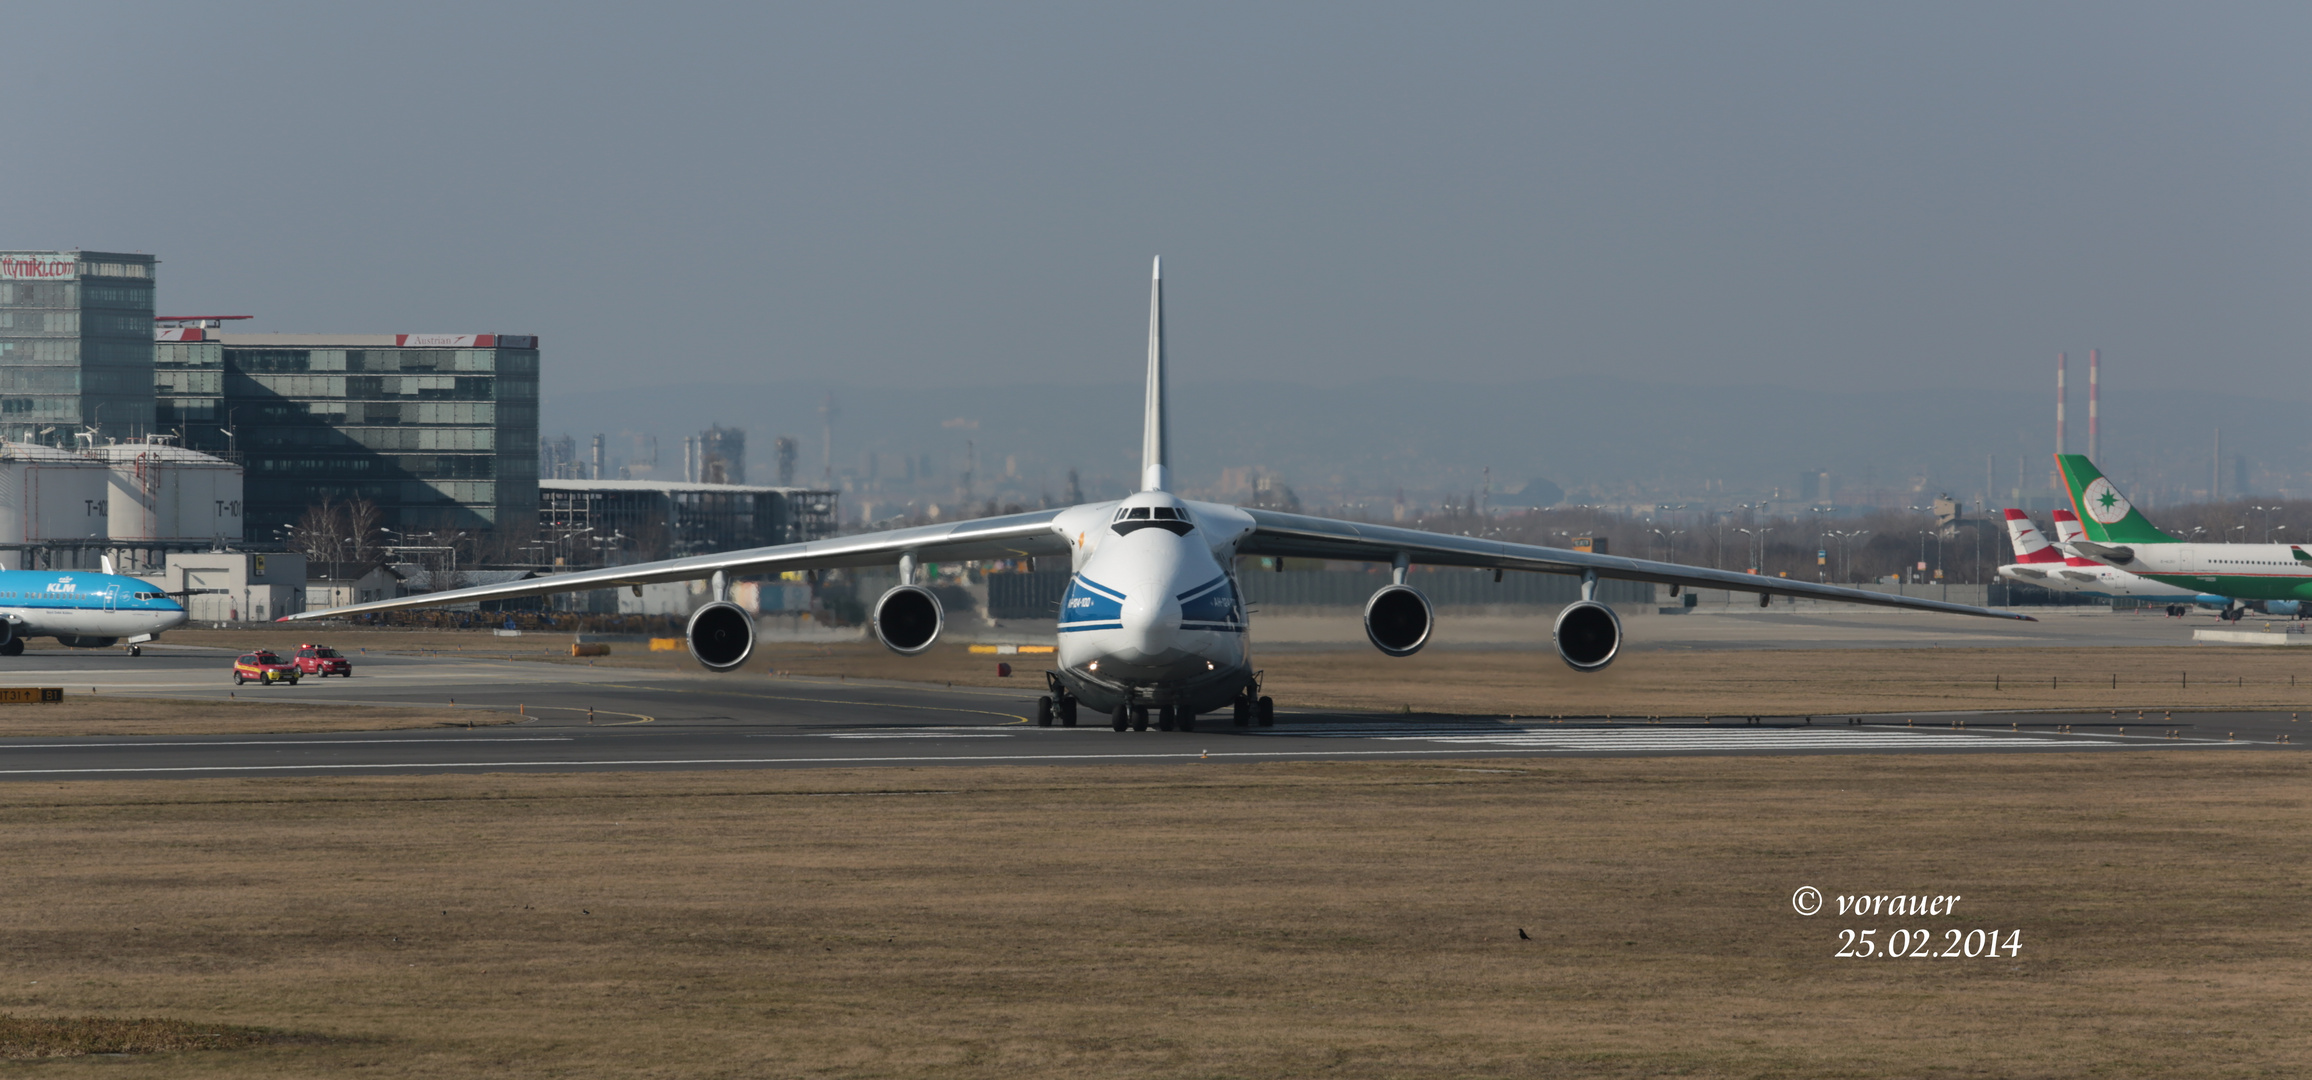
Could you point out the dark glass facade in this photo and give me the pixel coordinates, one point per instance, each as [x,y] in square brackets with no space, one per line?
[76,345]
[438,438]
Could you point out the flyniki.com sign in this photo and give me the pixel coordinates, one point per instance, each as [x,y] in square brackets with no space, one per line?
[63,264]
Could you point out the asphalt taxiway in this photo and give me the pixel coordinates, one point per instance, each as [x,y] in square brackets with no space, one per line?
[568,718]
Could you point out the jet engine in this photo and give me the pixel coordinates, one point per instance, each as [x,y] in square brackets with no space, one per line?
[1588,635]
[721,635]
[1398,620]
[907,619]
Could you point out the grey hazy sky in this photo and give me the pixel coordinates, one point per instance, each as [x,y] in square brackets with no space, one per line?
[1852,196]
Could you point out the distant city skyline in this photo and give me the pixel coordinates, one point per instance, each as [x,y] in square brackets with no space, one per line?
[1863,198]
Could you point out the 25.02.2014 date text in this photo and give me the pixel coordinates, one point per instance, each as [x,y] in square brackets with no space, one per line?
[1923,944]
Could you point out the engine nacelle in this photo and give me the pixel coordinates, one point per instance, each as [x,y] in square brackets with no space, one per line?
[1588,635]
[721,635]
[907,619]
[1398,620]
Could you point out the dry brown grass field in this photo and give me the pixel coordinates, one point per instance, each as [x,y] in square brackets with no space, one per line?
[1200,920]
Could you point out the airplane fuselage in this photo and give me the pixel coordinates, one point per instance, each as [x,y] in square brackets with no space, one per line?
[2087,578]
[2241,571]
[81,607]
[1153,615]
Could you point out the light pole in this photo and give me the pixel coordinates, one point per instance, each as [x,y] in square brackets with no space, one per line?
[2267,511]
[1666,540]
[1757,547]
[1846,549]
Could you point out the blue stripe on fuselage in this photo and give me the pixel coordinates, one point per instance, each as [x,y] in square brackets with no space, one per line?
[75,590]
[1087,603]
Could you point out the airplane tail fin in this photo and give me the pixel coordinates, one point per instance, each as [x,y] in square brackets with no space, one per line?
[2105,514]
[1155,467]
[2030,545]
[2067,527]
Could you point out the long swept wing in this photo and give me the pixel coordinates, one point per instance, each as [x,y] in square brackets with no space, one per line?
[1012,536]
[1301,536]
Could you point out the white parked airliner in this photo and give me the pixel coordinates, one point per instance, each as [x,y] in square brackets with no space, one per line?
[1152,620]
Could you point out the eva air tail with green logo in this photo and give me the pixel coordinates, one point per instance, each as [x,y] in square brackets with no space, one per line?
[2104,513]
[2119,535]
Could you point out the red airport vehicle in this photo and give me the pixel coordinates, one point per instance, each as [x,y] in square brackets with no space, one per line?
[321,661]
[264,667]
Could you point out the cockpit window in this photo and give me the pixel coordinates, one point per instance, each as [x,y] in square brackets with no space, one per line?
[1139,513]
[1165,513]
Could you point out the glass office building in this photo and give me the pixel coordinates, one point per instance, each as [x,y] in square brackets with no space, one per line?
[440,431]
[76,345]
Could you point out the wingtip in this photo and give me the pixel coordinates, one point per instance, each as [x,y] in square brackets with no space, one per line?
[1156,269]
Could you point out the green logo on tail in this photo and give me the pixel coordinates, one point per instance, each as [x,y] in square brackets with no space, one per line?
[2105,514]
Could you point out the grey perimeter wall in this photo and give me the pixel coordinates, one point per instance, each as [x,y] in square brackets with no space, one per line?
[1037,595]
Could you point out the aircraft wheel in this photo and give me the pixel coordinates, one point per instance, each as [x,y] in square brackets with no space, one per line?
[1187,719]
[1067,712]
[136,650]
[1243,711]
[1044,711]
[1120,719]
[1140,718]
[1266,709]
[15,647]
[1163,717]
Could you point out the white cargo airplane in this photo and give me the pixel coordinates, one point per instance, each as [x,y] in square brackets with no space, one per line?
[1153,619]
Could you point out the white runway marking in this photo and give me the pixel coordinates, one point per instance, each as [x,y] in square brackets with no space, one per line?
[124,744]
[1640,740]
[920,735]
[1185,756]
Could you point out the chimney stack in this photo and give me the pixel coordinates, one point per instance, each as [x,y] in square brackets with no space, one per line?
[2095,403]
[2061,359]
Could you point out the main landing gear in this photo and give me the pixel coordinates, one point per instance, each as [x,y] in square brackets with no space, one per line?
[1253,708]
[1249,708]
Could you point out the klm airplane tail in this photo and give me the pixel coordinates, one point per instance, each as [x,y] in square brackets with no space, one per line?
[1155,471]
[2104,513]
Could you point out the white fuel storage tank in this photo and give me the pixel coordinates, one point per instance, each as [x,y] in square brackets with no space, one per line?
[49,496]
[156,493]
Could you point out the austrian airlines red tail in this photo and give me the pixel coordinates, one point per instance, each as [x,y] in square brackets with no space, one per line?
[2030,545]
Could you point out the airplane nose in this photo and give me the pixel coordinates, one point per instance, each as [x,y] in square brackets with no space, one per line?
[1151,620]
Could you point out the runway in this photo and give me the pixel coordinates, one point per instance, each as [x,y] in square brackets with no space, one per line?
[570,718]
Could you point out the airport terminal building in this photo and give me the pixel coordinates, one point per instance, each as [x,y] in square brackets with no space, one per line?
[440,431]
[76,348]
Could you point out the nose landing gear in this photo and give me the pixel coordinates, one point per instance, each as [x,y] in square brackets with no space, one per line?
[1058,704]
